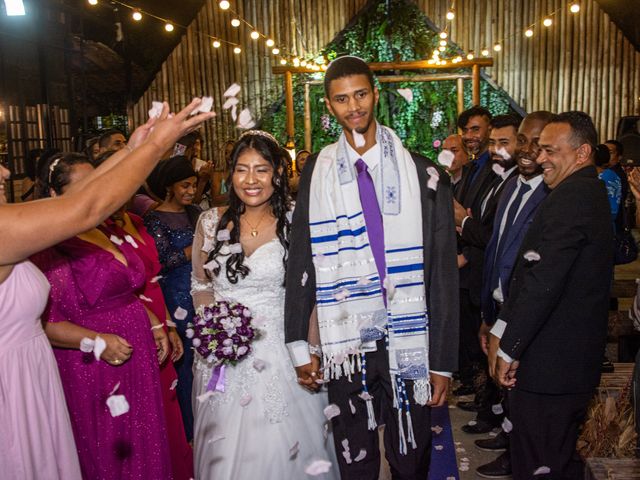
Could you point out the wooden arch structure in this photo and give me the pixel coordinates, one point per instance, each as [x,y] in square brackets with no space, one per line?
[474,64]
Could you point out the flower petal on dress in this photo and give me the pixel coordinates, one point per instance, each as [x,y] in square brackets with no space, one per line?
[87,345]
[116,240]
[345,451]
[542,470]
[131,241]
[235,248]
[118,405]
[245,400]
[497,409]
[361,455]
[331,410]
[259,365]
[342,295]
[180,313]
[446,158]
[352,407]
[358,139]
[114,389]
[531,256]
[223,235]
[99,347]
[145,299]
[498,169]
[507,426]
[174,384]
[305,277]
[317,467]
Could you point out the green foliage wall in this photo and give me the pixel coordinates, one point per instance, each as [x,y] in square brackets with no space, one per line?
[396,30]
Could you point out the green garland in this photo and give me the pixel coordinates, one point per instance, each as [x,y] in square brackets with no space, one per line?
[400,33]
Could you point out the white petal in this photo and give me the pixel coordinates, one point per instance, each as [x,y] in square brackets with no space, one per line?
[171,324]
[115,240]
[118,405]
[472,423]
[215,439]
[437,429]
[204,396]
[259,365]
[438,447]
[363,281]
[331,410]
[497,409]
[196,342]
[223,235]
[358,139]
[293,451]
[156,109]
[532,256]
[211,266]
[131,241]
[235,248]
[345,451]
[87,345]
[305,277]
[353,407]
[361,454]
[189,332]
[245,400]
[507,426]
[245,119]
[434,177]
[232,91]
[407,93]
[342,294]
[365,396]
[542,470]
[145,299]
[503,153]
[464,468]
[289,215]
[234,112]
[317,467]
[497,169]
[231,102]
[390,288]
[114,389]
[174,384]
[155,279]
[446,158]
[99,347]
[205,106]
[180,313]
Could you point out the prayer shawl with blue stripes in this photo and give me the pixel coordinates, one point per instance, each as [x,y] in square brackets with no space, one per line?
[349,295]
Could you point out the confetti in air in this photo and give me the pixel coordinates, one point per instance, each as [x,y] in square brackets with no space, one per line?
[434,177]
[542,471]
[407,93]
[498,169]
[232,91]
[446,158]
[156,109]
[245,120]
[174,384]
[507,426]
[358,139]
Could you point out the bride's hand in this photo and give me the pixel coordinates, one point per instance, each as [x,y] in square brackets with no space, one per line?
[309,373]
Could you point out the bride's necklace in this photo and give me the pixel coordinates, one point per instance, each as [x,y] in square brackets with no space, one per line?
[254,230]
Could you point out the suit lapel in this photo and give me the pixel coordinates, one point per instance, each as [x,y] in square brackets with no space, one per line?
[538,195]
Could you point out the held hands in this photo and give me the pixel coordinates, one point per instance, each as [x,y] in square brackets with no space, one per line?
[118,350]
[309,373]
[162,344]
[440,386]
[483,337]
[176,345]
[504,373]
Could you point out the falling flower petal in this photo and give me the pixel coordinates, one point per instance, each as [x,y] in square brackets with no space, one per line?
[180,313]
[503,153]
[493,434]
[87,345]
[231,102]
[390,288]
[223,235]
[353,407]
[498,169]
[497,409]
[235,248]
[118,405]
[507,426]
[245,399]
[289,215]
[361,454]
[331,410]
[325,431]
[155,279]
[232,91]
[293,451]
[532,256]
[259,365]
[145,299]
[542,470]
[156,109]
[464,460]
[446,158]
[234,112]
[305,277]
[245,120]
[115,240]
[204,396]
[342,294]
[114,389]
[434,177]
[99,347]
[317,467]
[358,139]
[438,447]
[407,93]
[174,384]
[205,106]
[345,452]
[437,429]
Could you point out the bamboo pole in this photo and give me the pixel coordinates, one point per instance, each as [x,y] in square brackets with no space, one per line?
[475,85]
[460,94]
[307,118]
[288,93]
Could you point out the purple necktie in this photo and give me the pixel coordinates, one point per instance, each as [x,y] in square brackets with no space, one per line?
[372,219]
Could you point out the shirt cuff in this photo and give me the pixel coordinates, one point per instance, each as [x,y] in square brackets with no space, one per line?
[504,356]
[463,221]
[498,328]
[442,374]
[299,353]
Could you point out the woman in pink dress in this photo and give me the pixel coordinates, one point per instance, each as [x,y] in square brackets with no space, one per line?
[36,439]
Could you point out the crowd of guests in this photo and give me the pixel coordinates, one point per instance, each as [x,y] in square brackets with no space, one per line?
[515,239]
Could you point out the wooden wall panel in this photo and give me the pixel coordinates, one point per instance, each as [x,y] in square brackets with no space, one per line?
[581,62]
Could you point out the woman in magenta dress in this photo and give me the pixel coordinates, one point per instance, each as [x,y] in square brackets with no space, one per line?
[126,224]
[95,282]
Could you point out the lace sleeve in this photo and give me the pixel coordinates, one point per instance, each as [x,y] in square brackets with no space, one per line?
[170,256]
[203,242]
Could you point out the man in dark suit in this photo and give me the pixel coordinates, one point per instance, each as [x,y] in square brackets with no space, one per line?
[549,339]
[515,211]
[477,179]
[351,97]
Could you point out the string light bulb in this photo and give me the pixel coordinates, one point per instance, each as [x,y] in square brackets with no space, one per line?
[470,55]
[296,62]
[547,22]
[235,22]
[216,44]
[443,43]
[275,51]
[93,2]
[484,52]
[451,15]
[237,50]
[528,33]
[224,5]
[458,59]
[168,27]
[270,43]
[497,47]
[443,35]
[255,35]
[137,15]
[431,61]
[283,62]
[303,63]
[574,8]
[441,49]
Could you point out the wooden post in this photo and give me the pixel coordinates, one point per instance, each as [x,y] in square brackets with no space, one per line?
[307,118]
[288,93]
[475,72]
[460,85]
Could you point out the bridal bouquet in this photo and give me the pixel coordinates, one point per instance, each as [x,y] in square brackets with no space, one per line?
[221,333]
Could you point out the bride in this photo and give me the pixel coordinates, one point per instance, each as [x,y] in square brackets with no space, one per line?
[264,424]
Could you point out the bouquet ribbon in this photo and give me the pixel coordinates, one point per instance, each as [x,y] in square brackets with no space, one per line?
[216,382]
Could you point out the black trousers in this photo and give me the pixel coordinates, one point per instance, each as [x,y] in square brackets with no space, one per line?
[471,357]
[353,427]
[545,432]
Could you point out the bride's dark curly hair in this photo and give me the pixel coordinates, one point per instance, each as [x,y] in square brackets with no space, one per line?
[280,202]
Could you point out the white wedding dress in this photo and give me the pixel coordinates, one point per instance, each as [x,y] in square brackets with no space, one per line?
[264,425]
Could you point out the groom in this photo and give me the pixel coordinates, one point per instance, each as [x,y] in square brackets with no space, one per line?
[371,287]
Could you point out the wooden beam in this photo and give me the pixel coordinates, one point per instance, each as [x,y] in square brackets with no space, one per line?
[288,92]
[460,91]
[307,118]
[415,78]
[475,71]
[415,65]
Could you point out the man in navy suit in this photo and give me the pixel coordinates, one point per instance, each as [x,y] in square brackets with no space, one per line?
[515,211]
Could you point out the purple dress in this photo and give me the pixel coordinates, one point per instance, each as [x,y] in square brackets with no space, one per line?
[93,289]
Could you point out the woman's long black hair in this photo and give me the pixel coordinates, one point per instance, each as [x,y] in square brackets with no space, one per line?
[55,173]
[280,202]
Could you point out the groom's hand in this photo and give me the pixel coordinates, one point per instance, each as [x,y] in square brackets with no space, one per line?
[309,373]
[440,385]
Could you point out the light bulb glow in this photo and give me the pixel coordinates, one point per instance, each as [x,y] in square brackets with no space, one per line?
[443,43]
[216,44]
[168,27]
[575,8]
[275,51]
[470,56]
[255,35]
[303,63]
[224,5]
[450,15]
[93,2]
[528,33]
[270,43]
[443,35]
[136,15]
[442,49]
[547,22]
[497,47]
[237,50]
[283,62]
[235,22]
[485,52]
[296,62]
